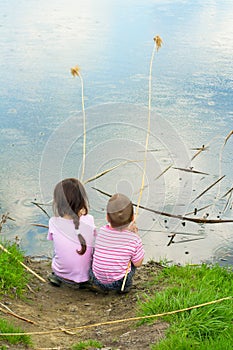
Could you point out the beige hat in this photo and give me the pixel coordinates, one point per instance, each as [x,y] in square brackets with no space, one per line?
[119,210]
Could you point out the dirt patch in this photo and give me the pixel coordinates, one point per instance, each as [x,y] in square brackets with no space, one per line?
[57,309]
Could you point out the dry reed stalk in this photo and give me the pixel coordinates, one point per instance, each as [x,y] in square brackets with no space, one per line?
[10,312]
[201,149]
[130,319]
[25,266]
[108,170]
[220,161]
[163,172]
[208,188]
[39,206]
[40,225]
[190,170]
[157,44]
[75,71]
[179,217]
[200,209]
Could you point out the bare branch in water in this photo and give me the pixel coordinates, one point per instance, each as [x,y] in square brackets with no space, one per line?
[38,205]
[228,136]
[230,190]
[208,188]
[201,149]
[189,240]
[40,225]
[163,172]
[108,170]
[190,170]
[200,209]
[179,217]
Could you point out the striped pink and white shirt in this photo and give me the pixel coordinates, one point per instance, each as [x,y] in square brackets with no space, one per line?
[113,251]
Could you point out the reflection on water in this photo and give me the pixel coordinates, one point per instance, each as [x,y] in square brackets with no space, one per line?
[41,126]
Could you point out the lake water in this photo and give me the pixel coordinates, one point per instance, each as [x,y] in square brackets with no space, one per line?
[112,42]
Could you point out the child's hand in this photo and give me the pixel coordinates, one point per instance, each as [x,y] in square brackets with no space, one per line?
[133,227]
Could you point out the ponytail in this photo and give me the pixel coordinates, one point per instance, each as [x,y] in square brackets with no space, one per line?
[80,236]
[83,245]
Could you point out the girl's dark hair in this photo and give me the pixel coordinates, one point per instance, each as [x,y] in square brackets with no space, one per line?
[69,198]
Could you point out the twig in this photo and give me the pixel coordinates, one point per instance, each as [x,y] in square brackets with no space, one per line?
[75,71]
[163,172]
[157,44]
[230,190]
[228,136]
[26,267]
[171,240]
[130,319]
[108,170]
[200,209]
[208,188]
[8,311]
[191,171]
[179,217]
[40,225]
[38,205]
[201,149]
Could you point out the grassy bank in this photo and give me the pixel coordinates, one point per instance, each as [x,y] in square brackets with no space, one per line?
[209,327]
[13,282]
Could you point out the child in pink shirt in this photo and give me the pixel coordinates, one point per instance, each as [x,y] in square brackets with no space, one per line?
[118,250]
[72,231]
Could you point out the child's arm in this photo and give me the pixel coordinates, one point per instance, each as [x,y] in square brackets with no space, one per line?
[133,227]
[138,263]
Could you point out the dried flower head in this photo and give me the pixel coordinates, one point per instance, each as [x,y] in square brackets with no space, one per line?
[75,71]
[158,42]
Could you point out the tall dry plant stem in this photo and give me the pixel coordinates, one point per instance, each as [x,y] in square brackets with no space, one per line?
[75,71]
[157,44]
[220,161]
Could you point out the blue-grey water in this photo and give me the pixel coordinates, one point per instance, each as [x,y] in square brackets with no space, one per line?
[192,105]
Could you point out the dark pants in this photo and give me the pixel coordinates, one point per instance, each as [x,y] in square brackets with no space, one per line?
[116,285]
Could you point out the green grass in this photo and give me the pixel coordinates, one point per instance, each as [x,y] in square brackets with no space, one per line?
[88,344]
[202,328]
[13,279]
[6,327]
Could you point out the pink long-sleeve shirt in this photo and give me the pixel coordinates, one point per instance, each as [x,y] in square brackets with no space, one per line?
[66,262]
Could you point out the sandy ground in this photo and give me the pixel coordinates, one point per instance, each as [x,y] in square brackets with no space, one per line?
[54,310]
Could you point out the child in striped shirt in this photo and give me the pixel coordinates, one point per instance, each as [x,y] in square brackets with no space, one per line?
[118,250]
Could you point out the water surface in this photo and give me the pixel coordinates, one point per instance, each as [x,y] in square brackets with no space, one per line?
[112,41]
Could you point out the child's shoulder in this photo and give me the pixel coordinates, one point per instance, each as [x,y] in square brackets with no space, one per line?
[89,219]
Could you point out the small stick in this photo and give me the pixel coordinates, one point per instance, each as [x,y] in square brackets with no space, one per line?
[38,205]
[75,71]
[108,170]
[180,217]
[40,225]
[208,188]
[26,267]
[201,149]
[171,240]
[197,210]
[14,314]
[227,192]
[228,136]
[125,277]
[163,172]
[191,171]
